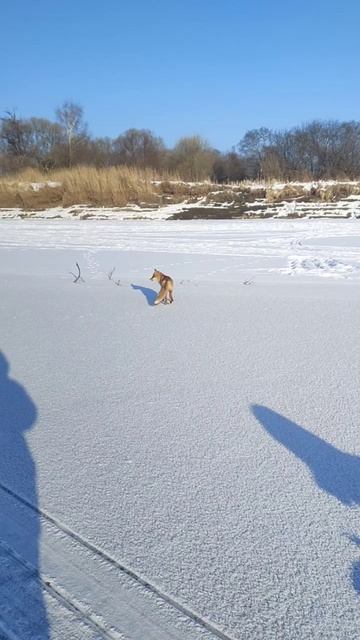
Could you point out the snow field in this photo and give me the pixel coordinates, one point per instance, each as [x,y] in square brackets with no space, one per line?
[211,445]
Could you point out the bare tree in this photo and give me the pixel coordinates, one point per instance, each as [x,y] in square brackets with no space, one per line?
[315,150]
[70,116]
[15,134]
[193,158]
[100,152]
[252,146]
[34,142]
[139,148]
[229,167]
[46,143]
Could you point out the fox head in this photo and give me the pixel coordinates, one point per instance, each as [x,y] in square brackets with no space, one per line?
[156,275]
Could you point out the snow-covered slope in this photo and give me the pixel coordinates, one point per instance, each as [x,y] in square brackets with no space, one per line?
[194,467]
[187,200]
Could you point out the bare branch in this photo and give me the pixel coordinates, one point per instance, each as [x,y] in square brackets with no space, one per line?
[77,278]
[110,276]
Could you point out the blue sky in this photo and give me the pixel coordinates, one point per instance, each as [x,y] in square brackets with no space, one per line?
[183,67]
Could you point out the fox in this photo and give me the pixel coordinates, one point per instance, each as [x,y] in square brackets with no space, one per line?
[166,287]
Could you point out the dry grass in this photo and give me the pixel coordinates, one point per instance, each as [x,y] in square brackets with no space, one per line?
[114,186]
[119,186]
[288,192]
[110,187]
[105,187]
[334,192]
[177,190]
[319,191]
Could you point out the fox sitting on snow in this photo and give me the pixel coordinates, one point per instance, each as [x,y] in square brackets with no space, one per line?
[166,287]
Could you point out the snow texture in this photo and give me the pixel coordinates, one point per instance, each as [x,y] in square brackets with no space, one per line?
[188,470]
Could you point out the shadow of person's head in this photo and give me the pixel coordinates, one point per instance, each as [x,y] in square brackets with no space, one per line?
[4,366]
[17,410]
[336,472]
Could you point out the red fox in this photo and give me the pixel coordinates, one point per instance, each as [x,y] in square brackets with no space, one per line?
[166,287]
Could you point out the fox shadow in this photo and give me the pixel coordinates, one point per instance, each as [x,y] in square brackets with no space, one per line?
[334,471]
[149,294]
[19,527]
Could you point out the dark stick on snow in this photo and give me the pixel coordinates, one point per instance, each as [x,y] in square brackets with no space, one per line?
[77,278]
[110,276]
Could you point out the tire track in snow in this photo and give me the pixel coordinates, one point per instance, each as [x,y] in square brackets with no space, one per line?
[61,596]
[122,567]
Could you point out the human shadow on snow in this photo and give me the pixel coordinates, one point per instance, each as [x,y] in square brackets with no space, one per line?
[334,471]
[22,609]
[149,294]
[355,572]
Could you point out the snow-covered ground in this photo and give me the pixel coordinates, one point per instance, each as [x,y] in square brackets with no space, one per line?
[86,212]
[289,201]
[182,471]
[201,250]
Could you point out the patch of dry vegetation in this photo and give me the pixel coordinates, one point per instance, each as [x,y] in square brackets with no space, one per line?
[114,186]
[312,191]
[120,186]
[335,192]
[178,190]
[289,192]
[109,187]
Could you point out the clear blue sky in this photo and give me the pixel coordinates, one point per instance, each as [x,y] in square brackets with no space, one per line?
[183,67]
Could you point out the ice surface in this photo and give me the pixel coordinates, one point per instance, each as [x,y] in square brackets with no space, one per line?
[211,445]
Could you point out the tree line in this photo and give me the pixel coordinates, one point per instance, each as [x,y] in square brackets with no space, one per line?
[316,150]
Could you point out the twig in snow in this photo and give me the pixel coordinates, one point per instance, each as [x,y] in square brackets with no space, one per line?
[110,276]
[77,278]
